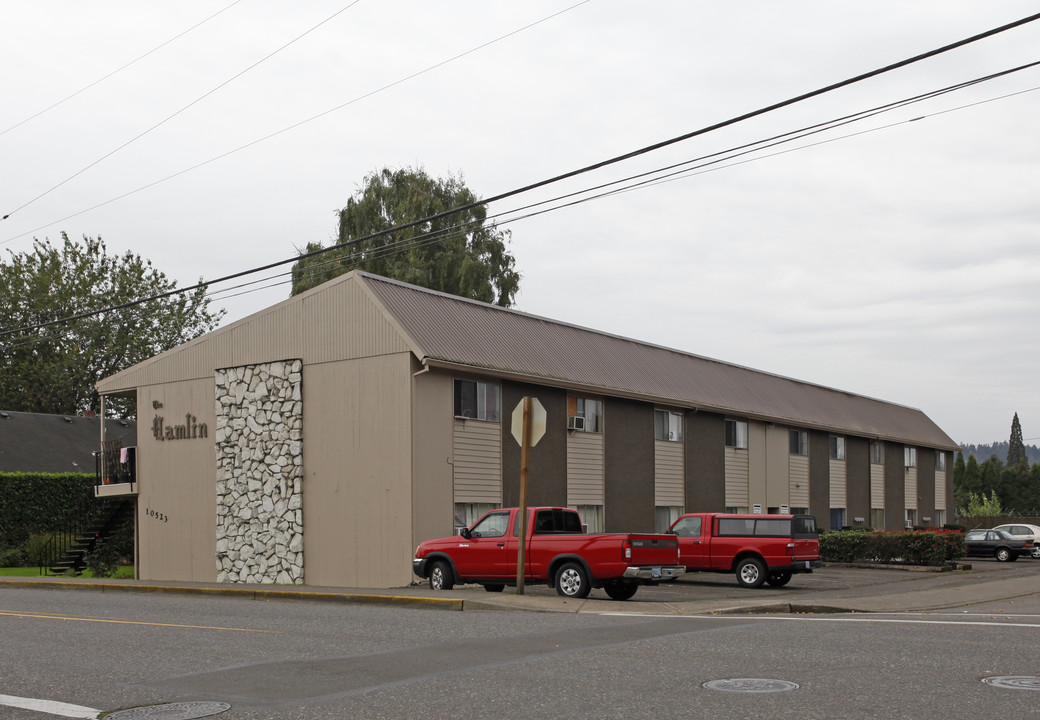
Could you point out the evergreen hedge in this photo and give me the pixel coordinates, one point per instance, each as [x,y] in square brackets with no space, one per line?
[910,547]
[35,503]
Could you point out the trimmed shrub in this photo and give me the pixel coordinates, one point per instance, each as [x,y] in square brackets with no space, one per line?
[40,503]
[912,547]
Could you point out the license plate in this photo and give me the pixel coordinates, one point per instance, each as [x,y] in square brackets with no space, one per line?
[655,572]
[808,564]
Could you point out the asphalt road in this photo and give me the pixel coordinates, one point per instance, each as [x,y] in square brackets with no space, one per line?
[296,660]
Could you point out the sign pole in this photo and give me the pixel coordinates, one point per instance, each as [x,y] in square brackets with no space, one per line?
[525,453]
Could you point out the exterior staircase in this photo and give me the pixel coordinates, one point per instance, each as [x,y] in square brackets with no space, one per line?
[67,553]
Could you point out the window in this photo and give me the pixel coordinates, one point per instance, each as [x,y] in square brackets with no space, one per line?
[491,525]
[799,442]
[736,434]
[467,513]
[590,410]
[478,400]
[688,527]
[877,453]
[667,425]
[940,461]
[837,448]
[910,457]
[911,518]
[664,516]
[591,517]
[940,518]
[877,519]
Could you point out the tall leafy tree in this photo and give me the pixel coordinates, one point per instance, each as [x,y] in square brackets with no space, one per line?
[461,253]
[1016,448]
[54,369]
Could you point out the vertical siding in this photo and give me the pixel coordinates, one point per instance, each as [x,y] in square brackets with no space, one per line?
[940,490]
[910,489]
[839,484]
[798,469]
[585,476]
[477,451]
[357,468]
[669,475]
[737,494]
[877,487]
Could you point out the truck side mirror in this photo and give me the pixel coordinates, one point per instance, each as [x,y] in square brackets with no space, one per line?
[464,532]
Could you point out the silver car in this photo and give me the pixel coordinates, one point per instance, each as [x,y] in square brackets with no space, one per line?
[1022,531]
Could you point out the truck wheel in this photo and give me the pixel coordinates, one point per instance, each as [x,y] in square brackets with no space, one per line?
[620,590]
[751,573]
[572,581]
[1002,554]
[441,577]
[778,579]
[494,587]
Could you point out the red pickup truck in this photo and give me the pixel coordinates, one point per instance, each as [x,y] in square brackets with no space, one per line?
[758,548]
[558,552]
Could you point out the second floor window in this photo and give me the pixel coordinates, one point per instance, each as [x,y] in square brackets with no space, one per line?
[940,461]
[591,412]
[910,457]
[877,453]
[837,448]
[799,442]
[478,400]
[667,425]
[736,434]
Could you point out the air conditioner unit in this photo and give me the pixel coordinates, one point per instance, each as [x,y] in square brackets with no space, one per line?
[575,423]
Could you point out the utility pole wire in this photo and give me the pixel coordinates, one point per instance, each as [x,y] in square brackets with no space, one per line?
[558,178]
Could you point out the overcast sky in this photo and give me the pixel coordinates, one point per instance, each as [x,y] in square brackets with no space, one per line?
[896,260]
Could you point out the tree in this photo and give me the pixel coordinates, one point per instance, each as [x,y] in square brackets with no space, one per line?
[460,253]
[1016,448]
[54,369]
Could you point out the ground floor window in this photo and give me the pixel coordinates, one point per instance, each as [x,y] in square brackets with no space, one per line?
[736,509]
[940,518]
[799,511]
[665,515]
[837,518]
[877,519]
[591,517]
[468,513]
[911,518]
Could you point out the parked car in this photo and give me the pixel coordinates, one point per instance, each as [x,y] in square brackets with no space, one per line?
[557,552]
[1023,531]
[997,543]
[756,548]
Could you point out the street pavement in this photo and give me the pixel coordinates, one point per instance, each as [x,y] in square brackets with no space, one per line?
[831,589]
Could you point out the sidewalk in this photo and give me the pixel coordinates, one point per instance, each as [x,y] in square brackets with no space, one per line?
[965,590]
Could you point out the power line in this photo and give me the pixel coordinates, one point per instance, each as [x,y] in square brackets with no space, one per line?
[305,121]
[542,183]
[119,69]
[189,105]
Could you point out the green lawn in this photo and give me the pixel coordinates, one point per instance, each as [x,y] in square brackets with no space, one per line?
[125,571]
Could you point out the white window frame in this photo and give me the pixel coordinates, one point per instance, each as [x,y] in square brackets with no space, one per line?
[591,409]
[909,457]
[668,425]
[940,461]
[837,447]
[488,398]
[877,452]
[739,434]
[799,446]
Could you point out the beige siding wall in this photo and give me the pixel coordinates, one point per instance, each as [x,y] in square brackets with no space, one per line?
[313,327]
[778,467]
[940,490]
[910,489]
[477,451]
[737,478]
[432,501]
[839,485]
[877,487]
[585,468]
[177,484]
[757,463]
[798,466]
[357,494]
[669,477]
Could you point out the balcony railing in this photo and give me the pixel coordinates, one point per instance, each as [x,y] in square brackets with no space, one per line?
[116,470]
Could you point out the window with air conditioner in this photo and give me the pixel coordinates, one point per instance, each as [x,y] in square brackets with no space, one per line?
[585,414]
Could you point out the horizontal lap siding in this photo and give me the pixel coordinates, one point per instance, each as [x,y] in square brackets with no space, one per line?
[940,490]
[585,469]
[737,478]
[669,478]
[839,484]
[799,473]
[910,489]
[877,487]
[478,461]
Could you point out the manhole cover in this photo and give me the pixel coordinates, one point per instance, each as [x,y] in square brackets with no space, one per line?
[172,711]
[751,685]
[1014,682]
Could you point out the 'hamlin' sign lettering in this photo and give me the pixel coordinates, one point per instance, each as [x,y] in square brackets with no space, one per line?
[190,430]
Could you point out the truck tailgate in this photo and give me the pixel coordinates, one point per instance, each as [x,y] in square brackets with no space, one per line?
[654,549]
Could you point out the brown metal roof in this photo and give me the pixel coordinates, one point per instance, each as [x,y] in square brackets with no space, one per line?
[454,331]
